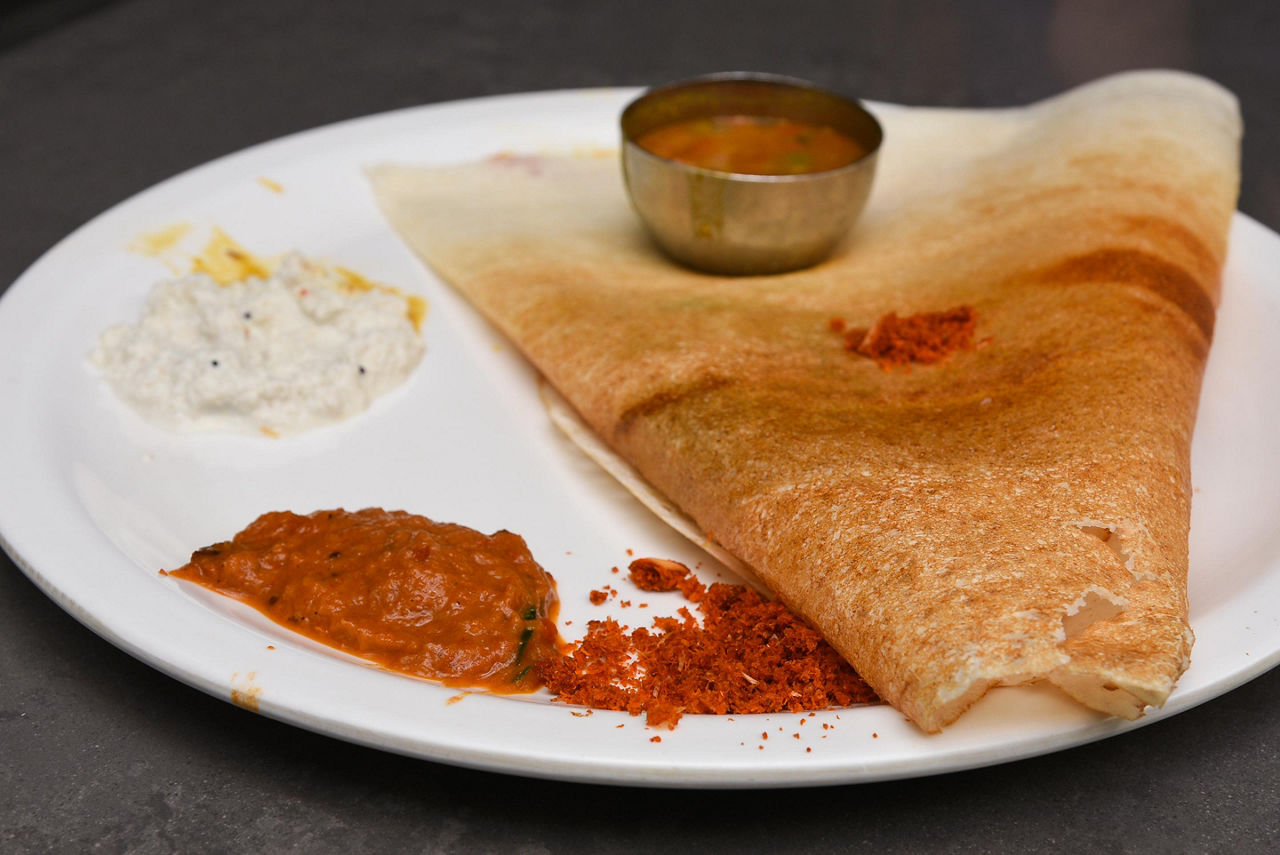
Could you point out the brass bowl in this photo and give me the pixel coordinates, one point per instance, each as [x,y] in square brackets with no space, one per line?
[736,223]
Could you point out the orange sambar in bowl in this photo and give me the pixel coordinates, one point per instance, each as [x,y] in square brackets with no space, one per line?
[752,145]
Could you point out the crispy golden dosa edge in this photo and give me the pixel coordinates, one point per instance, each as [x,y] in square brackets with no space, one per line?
[1109,203]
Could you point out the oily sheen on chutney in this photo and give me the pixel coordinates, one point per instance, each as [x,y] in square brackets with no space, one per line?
[1017,512]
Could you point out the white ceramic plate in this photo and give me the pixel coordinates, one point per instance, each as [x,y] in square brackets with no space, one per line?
[94,501]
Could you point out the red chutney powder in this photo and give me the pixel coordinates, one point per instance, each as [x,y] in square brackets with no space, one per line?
[927,337]
[748,655]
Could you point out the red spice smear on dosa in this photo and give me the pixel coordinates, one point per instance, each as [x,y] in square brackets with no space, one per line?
[747,655]
[926,338]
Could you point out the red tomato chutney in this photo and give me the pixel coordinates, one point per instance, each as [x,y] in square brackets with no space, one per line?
[435,600]
[754,145]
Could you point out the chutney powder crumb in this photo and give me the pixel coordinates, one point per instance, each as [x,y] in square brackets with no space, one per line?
[747,655]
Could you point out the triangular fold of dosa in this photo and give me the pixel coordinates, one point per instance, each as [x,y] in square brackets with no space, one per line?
[1014,513]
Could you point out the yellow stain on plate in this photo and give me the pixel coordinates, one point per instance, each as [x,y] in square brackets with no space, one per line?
[353,282]
[162,244]
[161,241]
[595,151]
[417,311]
[273,186]
[226,261]
[248,694]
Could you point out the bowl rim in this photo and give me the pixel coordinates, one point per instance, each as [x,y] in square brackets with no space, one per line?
[780,80]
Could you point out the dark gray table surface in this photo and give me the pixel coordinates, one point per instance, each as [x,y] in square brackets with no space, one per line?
[100,753]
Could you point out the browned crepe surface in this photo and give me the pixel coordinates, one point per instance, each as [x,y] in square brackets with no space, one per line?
[1015,513]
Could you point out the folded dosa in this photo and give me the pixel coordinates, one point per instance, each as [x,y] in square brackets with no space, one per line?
[1017,512]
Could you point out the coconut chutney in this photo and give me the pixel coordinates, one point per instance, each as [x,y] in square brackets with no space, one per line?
[291,346]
